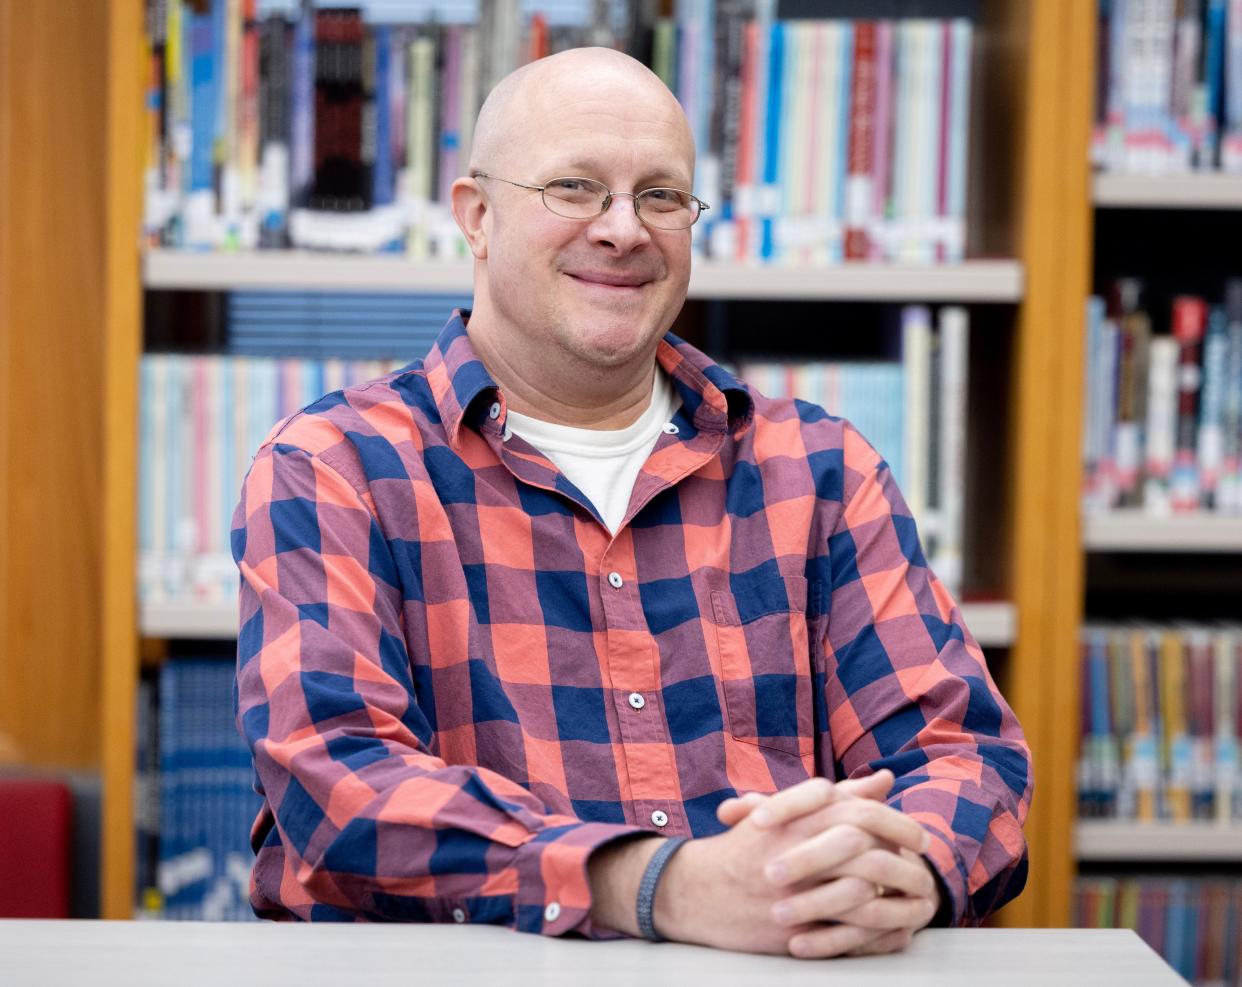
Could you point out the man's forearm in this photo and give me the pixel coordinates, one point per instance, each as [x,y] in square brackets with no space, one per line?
[615,871]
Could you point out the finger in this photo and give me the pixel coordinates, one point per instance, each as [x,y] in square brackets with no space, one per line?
[872,786]
[825,854]
[890,942]
[793,803]
[733,810]
[831,940]
[825,901]
[880,820]
[910,877]
[891,913]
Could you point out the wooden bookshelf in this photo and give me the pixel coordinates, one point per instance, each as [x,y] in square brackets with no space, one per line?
[1137,531]
[1035,193]
[1097,840]
[295,270]
[1206,190]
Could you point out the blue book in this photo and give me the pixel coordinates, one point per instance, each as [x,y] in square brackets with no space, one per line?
[382,171]
[772,129]
[302,109]
[1214,79]
[203,99]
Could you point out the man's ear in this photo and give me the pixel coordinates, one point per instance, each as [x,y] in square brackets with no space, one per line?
[469,210]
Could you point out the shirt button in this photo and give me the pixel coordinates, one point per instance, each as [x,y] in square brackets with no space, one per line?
[615,580]
[637,700]
[494,411]
[459,916]
[660,818]
[552,912]
[670,428]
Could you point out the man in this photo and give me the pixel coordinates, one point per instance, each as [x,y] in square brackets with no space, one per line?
[517,615]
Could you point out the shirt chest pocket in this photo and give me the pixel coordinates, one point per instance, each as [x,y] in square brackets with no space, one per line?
[765,665]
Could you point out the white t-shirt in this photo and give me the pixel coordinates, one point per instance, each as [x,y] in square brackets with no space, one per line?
[603,464]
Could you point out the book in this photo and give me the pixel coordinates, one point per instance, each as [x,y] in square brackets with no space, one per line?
[313,127]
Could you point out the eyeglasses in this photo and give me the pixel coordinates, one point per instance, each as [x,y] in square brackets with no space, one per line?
[585,198]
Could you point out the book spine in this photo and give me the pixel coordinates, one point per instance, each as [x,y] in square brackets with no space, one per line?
[1189,323]
[955,354]
[1231,145]
[916,359]
[744,187]
[883,133]
[1230,493]
[419,130]
[958,127]
[1210,440]
[1135,330]
[380,109]
[769,194]
[1186,59]
[1213,84]
[1091,445]
[859,195]
[1103,76]
[1161,429]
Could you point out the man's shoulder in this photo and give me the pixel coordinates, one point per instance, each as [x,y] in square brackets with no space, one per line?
[795,427]
[386,409]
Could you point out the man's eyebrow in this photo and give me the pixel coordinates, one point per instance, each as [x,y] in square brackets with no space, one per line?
[580,168]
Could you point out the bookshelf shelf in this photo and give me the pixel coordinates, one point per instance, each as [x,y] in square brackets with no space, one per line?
[994,624]
[1112,840]
[1192,191]
[971,281]
[1136,531]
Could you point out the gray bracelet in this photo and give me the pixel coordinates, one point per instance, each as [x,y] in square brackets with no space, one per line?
[647,887]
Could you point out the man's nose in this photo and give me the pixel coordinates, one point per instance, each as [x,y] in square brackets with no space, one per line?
[619,224]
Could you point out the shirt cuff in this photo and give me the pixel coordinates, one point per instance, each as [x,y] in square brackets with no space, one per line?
[554,888]
[951,877]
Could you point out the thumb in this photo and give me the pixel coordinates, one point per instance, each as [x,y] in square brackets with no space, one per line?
[873,786]
[732,811]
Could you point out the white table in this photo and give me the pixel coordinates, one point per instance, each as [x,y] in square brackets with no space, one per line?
[185,954]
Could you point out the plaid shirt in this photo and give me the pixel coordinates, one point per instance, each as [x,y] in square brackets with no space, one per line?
[457,683]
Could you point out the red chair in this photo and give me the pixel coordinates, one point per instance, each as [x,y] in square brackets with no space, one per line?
[36,839]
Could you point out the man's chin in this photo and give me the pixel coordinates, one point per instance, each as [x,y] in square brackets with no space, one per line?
[610,346]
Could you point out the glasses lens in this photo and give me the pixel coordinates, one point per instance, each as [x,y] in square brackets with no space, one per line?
[574,198]
[668,208]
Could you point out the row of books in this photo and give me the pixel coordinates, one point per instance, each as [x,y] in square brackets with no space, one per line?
[1194,923]
[913,412]
[1164,411]
[1168,86]
[819,140]
[202,418]
[1160,722]
[194,795]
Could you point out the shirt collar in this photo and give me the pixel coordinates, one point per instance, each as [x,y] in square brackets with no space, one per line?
[464,391]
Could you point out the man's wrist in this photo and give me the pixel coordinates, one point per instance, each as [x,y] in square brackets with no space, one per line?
[614,872]
[678,890]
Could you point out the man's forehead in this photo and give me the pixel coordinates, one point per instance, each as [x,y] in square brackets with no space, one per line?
[583,133]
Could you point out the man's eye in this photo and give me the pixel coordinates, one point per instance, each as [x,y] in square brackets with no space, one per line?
[567,185]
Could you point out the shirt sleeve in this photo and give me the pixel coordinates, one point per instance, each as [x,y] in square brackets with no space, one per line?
[907,688]
[373,826]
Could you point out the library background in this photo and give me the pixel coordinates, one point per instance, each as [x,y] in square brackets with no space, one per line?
[998,235]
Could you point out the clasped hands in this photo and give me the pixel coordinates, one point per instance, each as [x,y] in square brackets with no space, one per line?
[817,870]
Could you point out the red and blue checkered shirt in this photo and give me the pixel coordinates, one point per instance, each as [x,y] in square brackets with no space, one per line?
[457,683]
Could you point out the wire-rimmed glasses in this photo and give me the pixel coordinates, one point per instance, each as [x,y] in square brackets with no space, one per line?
[585,198]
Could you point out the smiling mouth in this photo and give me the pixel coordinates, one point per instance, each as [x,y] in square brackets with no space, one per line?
[604,282]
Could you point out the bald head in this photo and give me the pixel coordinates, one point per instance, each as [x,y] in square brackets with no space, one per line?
[530,103]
